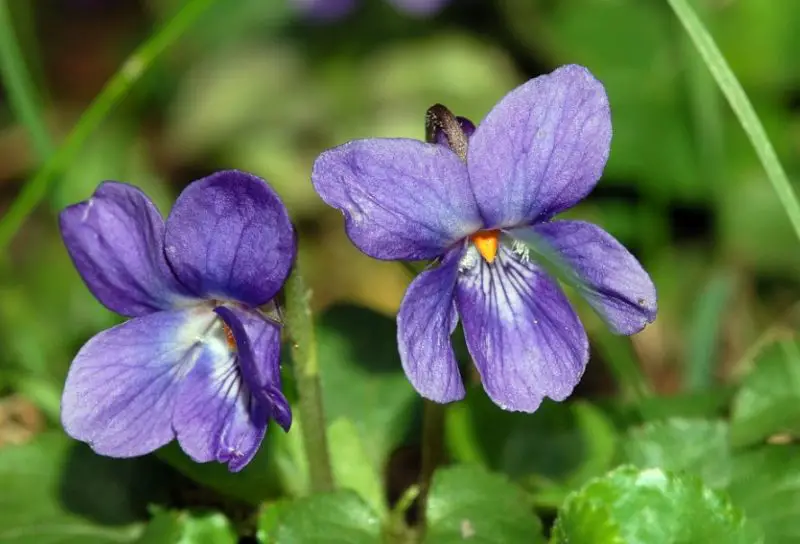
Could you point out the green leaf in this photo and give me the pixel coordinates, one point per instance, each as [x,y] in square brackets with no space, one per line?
[467,503]
[766,486]
[358,354]
[56,491]
[351,467]
[341,517]
[709,404]
[268,520]
[631,505]
[692,446]
[171,527]
[769,399]
[565,442]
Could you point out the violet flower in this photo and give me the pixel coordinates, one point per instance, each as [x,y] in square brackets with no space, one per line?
[331,10]
[471,201]
[198,361]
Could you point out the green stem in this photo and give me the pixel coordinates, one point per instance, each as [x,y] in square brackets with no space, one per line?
[742,107]
[22,94]
[300,326]
[115,90]
[432,451]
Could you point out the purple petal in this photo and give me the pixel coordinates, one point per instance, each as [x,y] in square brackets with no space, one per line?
[419,7]
[233,391]
[122,386]
[402,199]
[229,237]
[615,283]
[259,344]
[541,149]
[325,10]
[526,340]
[426,320]
[116,241]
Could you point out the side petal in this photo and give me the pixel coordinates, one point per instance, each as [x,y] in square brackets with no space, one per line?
[426,320]
[259,345]
[401,199]
[123,384]
[116,239]
[229,236]
[525,339]
[541,149]
[615,284]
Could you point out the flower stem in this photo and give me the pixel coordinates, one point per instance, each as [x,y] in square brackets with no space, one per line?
[741,106]
[23,97]
[432,451]
[300,325]
[115,90]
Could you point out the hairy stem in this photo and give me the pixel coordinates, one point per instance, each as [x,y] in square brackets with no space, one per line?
[432,451]
[300,326]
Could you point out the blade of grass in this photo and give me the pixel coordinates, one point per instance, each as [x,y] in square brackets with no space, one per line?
[742,107]
[705,327]
[22,94]
[115,90]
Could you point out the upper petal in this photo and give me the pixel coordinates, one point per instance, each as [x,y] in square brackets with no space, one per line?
[116,240]
[122,386]
[525,339]
[402,199]
[426,320]
[229,236]
[613,281]
[541,149]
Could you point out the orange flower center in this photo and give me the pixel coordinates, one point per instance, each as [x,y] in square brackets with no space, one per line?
[487,242]
[229,337]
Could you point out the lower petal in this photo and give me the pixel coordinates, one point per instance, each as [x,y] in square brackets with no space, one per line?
[216,418]
[426,320]
[614,282]
[123,384]
[525,338]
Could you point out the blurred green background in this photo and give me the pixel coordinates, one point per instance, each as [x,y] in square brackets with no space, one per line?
[259,87]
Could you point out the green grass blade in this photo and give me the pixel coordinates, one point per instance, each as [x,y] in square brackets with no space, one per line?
[23,97]
[705,327]
[742,107]
[115,90]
